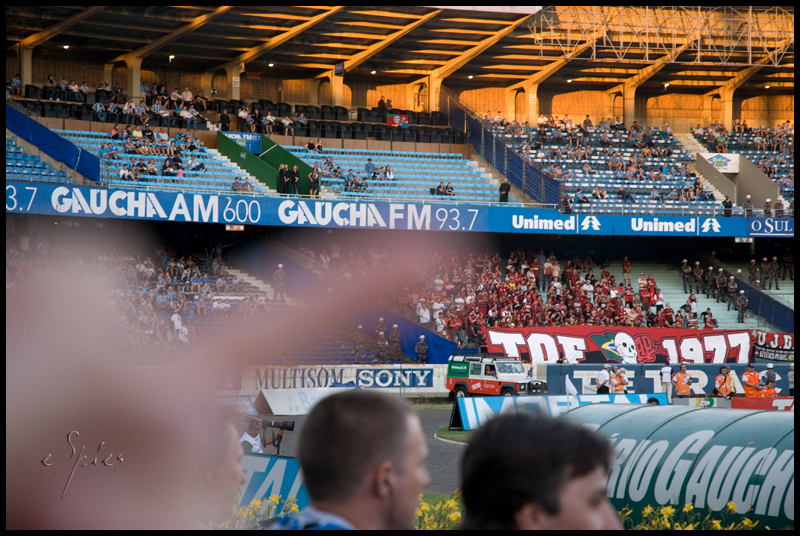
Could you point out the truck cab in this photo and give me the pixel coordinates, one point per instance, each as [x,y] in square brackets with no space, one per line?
[478,375]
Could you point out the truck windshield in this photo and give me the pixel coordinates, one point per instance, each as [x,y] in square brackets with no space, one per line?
[510,368]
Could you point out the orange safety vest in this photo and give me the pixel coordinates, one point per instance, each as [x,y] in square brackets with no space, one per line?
[752,377]
[768,393]
[683,388]
[618,387]
[724,388]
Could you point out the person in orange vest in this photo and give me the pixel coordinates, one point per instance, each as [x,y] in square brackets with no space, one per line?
[618,380]
[682,381]
[752,382]
[769,391]
[723,385]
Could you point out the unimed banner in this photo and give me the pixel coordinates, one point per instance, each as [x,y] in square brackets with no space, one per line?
[773,346]
[602,344]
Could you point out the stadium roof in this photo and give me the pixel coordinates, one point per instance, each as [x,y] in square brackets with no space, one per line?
[697,48]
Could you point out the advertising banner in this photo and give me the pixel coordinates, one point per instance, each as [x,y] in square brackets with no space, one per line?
[292,401]
[156,205]
[773,346]
[251,142]
[405,380]
[677,455]
[723,162]
[395,120]
[476,411]
[647,378]
[724,403]
[271,475]
[779,403]
[621,345]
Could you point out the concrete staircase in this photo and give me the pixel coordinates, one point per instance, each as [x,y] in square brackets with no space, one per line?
[694,147]
[496,179]
[671,284]
[786,293]
[260,284]
[239,171]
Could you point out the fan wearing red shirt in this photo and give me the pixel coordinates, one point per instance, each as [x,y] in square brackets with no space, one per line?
[651,285]
[629,296]
[626,271]
[669,315]
[646,299]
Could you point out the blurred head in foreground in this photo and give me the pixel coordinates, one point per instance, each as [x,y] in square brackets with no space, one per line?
[363,459]
[523,472]
[130,447]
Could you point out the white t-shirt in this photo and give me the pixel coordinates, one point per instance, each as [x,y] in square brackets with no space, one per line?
[183,334]
[603,378]
[666,374]
[176,321]
[255,442]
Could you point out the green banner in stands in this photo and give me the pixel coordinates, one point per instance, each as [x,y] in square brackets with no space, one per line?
[275,155]
[261,170]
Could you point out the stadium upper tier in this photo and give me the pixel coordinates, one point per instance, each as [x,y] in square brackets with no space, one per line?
[772,150]
[28,167]
[415,175]
[596,165]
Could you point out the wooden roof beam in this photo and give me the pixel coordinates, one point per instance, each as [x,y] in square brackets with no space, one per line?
[278,40]
[56,29]
[151,47]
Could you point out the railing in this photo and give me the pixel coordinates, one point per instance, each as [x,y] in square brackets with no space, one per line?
[531,181]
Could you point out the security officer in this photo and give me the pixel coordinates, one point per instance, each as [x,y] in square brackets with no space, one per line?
[741,305]
[721,284]
[686,271]
[757,285]
[422,350]
[709,281]
[697,272]
[733,288]
[775,271]
[768,208]
[779,209]
[383,348]
[752,271]
[380,328]
[394,340]
[358,344]
[751,382]
[788,264]
[748,207]
[766,271]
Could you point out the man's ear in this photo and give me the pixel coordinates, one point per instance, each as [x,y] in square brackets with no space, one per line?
[530,516]
[382,479]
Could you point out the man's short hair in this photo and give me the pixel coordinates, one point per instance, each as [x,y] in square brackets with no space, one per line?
[517,459]
[348,434]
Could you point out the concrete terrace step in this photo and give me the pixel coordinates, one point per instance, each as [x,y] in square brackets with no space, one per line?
[258,283]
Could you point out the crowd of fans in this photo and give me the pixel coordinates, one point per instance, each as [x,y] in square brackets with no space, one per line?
[156,298]
[153,142]
[326,171]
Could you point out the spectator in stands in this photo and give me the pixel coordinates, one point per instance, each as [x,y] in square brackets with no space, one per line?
[381,104]
[129,110]
[236,186]
[247,186]
[580,197]
[625,196]
[587,122]
[194,165]
[440,190]
[225,121]
[200,102]
[100,112]
[16,85]
[174,99]
[295,180]
[388,105]
[389,176]
[657,195]
[505,188]
[118,96]
[448,190]
[141,113]
[288,126]
[618,124]
[302,119]
[186,96]
[320,147]
[566,204]
[369,167]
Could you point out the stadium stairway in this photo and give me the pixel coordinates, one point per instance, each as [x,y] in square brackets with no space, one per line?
[786,293]
[260,284]
[670,282]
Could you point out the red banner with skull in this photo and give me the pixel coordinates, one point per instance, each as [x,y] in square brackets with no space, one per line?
[602,344]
